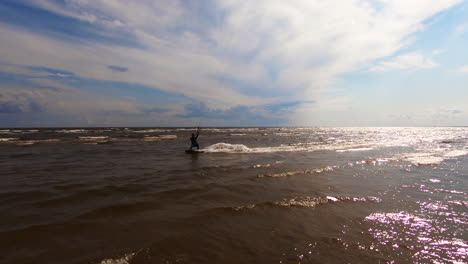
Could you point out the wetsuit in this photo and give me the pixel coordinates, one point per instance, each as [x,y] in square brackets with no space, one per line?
[193,139]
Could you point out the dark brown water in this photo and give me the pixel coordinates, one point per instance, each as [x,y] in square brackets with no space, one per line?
[257,195]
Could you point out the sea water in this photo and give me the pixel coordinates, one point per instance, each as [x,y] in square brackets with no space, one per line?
[256,195]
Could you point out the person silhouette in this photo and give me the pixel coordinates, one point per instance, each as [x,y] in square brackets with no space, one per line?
[193,140]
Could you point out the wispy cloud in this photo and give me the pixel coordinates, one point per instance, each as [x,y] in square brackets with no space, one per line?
[117,68]
[409,61]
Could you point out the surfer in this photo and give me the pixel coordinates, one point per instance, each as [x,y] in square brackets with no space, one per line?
[193,140]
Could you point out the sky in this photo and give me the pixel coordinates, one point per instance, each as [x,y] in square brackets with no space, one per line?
[233,63]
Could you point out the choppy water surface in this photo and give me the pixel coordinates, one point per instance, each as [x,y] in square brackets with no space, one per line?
[257,195]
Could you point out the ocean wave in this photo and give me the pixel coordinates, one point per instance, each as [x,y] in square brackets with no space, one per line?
[93,138]
[308,202]
[248,129]
[283,134]
[168,136]
[8,139]
[67,131]
[297,172]
[125,259]
[432,158]
[48,140]
[228,148]
[353,149]
[159,137]
[147,138]
[268,164]
[455,153]
[155,130]
[240,148]
[8,131]
[295,147]
[302,202]
[25,143]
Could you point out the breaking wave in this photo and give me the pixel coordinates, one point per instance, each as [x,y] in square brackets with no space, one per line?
[240,148]
[93,138]
[353,149]
[67,131]
[433,158]
[159,137]
[126,259]
[149,130]
[8,139]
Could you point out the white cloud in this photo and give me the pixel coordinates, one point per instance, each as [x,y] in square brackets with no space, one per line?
[304,44]
[55,98]
[463,69]
[409,61]
[172,70]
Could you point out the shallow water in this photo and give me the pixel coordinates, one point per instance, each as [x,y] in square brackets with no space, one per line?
[257,195]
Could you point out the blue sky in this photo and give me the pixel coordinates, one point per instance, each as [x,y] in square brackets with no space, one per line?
[233,63]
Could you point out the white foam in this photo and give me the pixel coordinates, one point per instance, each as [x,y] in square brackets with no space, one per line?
[268,164]
[7,139]
[221,130]
[228,148]
[283,134]
[455,153]
[302,202]
[159,137]
[424,159]
[122,260]
[4,131]
[93,138]
[25,143]
[433,158]
[240,134]
[152,139]
[47,140]
[168,136]
[297,172]
[149,131]
[353,149]
[71,131]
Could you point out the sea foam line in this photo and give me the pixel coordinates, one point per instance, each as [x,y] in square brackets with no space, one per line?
[432,158]
[308,202]
[298,172]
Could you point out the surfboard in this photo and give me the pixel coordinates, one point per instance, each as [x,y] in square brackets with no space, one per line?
[192,151]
